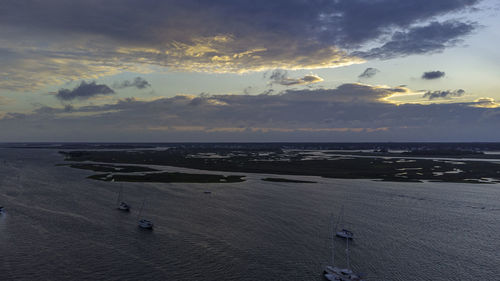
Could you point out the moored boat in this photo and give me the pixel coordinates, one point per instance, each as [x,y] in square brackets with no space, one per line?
[344,233]
[122,206]
[334,273]
[146,224]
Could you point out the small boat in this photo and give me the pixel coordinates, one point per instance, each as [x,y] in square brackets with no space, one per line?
[1,210]
[207,192]
[122,205]
[144,223]
[334,273]
[344,233]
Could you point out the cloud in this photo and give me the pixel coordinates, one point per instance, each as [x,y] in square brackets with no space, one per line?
[58,41]
[431,95]
[430,75]
[431,38]
[30,69]
[486,103]
[281,77]
[247,90]
[346,113]
[138,82]
[84,91]
[369,73]
[5,100]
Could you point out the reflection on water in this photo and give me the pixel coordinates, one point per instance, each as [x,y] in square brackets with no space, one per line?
[59,225]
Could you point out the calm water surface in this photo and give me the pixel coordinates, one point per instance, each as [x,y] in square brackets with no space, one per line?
[59,225]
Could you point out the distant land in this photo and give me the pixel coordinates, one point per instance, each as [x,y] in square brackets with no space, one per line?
[473,146]
[412,162]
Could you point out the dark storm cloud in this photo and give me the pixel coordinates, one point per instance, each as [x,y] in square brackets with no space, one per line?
[84,91]
[281,77]
[348,112]
[348,21]
[70,39]
[360,20]
[138,82]
[369,73]
[430,75]
[434,37]
[431,95]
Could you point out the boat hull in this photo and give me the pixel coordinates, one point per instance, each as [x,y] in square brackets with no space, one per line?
[145,224]
[345,234]
[337,274]
[124,207]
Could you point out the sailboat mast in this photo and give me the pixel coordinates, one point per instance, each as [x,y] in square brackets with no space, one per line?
[142,206]
[341,215]
[347,254]
[119,195]
[333,242]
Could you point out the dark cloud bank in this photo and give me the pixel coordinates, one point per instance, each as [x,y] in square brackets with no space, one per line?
[343,22]
[216,36]
[351,112]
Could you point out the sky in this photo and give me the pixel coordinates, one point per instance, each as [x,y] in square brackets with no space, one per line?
[249,71]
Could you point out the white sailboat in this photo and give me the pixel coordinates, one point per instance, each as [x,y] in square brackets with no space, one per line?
[334,273]
[344,233]
[144,223]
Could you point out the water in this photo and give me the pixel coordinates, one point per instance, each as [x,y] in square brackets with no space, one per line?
[59,225]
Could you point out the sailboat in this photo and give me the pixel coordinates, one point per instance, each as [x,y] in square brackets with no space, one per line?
[144,223]
[122,205]
[344,233]
[334,273]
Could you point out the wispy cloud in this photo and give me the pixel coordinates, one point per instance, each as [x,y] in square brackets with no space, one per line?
[138,82]
[281,77]
[431,38]
[5,100]
[431,95]
[486,103]
[368,73]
